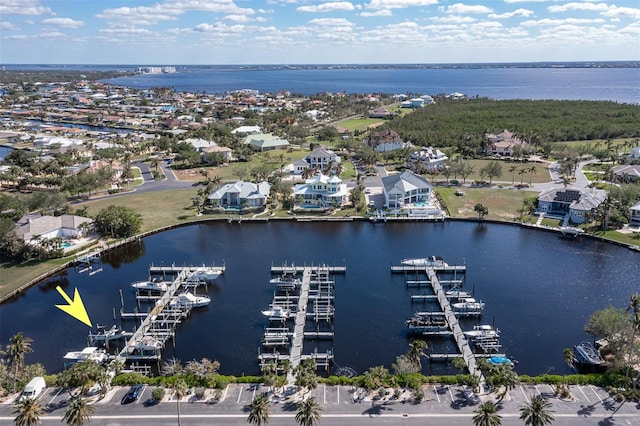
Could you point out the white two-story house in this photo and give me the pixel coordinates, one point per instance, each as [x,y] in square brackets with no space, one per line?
[321,191]
[635,215]
[429,159]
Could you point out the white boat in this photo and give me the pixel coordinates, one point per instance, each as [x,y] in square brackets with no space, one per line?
[286,280]
[483,332]
[277,312]
[431,261]
[468,304]
[586,354]
[189,300]
[458,294]
[148,343]
[104,334]
[205,273]
[150,285]
[90,353]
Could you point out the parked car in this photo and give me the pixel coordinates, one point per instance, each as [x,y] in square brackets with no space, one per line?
[33,388]
[132,395]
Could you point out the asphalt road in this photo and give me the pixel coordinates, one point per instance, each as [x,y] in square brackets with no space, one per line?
[442,405]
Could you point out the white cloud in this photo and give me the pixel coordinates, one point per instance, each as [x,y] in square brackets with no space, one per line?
[5,25]
[381,12]
[331,22]
[63,22]
[237,18]
[453,19]
[557,22]
[460,8]
[335,6]
[616,12]
[598,7]
[398,4]
[524,13]
[525,1]
[22,7]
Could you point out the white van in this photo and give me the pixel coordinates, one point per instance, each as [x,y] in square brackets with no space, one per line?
[33,388]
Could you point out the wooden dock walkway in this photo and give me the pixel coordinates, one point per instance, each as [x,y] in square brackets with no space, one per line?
[454,325]
[295,352]
[292,269]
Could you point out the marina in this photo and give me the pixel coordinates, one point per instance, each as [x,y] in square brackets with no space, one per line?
[371,309]
[453,303]
[171,305]
[304,294]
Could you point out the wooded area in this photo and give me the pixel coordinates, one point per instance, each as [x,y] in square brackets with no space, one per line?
[455,122]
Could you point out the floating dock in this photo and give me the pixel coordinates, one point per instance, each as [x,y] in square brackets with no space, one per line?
[304,300]
[160,321]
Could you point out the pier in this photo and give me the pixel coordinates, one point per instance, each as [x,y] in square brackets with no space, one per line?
[160,321]
[433,323]
[308,302]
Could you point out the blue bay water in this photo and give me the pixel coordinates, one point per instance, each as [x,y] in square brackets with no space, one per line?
[539,289]
[614,84]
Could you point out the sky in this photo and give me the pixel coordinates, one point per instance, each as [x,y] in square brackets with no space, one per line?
[183,32]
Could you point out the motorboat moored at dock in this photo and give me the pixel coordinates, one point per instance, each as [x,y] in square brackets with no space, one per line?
[277,312]
[205,273]
[482,332]
[90,353]
[468,304]
[587,354]
[151,285]
[458,294]
[431,261]
[104,334]
[189,300]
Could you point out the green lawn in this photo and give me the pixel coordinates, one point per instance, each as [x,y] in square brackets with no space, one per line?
[540,175]
[361,124]
[503,204]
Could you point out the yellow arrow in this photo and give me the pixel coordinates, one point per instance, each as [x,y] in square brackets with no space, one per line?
[74,308]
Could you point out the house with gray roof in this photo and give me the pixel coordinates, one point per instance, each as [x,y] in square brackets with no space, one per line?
[428,159]
[321,191]
[635,215]
[241,194]
[627,173]
[571,204]
[265,142]
[405,190]
[34,226]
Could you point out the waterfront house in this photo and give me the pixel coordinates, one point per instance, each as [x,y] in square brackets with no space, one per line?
[406,189]
[569,204]
[429,159]
[36,226]
[502,144]
[384,140]
[634,220]
[265,142]
[321,191]
[627,173]
[241,194]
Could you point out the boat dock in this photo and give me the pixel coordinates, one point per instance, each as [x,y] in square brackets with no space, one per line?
[308,301]
[161,319]
[450,325]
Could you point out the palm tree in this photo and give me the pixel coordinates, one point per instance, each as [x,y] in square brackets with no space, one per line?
[537,412]
[16,349]
[487,415]
[78,413]
[180,389]
[308,412]
[634,307]
[28,412]
[532,171]
[569,359]
[416,351]
[259,413]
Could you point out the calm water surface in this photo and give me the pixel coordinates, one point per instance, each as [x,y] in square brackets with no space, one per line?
[539,289]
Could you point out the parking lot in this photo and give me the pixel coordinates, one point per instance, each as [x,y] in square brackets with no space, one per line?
[590,405]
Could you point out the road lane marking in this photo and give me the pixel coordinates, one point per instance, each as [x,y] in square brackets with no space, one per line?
[239,395]
[595,393]
[585,395]
[524,394]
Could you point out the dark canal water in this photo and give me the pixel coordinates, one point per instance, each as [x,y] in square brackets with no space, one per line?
[539,289]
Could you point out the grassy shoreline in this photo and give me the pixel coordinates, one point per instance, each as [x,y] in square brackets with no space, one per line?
[164,210]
